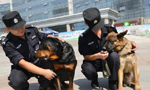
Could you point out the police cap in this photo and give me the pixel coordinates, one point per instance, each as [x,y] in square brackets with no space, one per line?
[93,19]
[13,20]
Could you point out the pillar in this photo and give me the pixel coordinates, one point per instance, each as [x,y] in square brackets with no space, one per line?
[68,27]
[106,21]
[70,7]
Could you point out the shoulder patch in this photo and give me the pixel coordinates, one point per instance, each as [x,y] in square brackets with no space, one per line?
[81,35]
[3,42]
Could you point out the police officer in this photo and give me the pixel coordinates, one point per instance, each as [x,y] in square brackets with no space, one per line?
[20,47]
[90,44]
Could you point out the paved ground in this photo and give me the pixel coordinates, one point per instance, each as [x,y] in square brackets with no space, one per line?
[80,82]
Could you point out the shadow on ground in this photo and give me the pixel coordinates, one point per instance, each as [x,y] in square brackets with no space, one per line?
[85,84]
[35,86]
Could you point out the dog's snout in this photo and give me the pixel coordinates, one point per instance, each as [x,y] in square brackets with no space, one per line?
[44,58]
[108,46]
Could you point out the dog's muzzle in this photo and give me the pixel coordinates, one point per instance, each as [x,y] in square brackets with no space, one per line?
[108,46]
[44,58]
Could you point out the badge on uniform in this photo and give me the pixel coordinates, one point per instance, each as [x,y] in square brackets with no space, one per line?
[90,43]
[18,46]
[33,36]
[3,42]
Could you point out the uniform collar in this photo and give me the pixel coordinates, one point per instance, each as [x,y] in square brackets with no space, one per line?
[15,38]
[27,31]
[12,37]
[104,30]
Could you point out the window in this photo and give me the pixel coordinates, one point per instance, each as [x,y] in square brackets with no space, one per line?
[122,8]
[87,3]
[29,7]
[46,12]
[30,16]
[45,4]
[77,5]
[97,0]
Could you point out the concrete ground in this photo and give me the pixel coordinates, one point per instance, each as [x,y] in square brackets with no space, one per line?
[80,82]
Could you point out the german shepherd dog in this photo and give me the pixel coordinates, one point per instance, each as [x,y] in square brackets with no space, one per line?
[63,58]
[128,72]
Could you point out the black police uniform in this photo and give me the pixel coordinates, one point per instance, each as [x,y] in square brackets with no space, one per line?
[90,44]
[16,49]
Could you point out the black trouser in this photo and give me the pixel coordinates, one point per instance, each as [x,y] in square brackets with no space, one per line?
[19,76]
[90,68]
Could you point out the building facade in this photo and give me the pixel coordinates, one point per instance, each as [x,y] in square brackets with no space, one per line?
[129,10]
[4,8]
[132,11]
[34,10]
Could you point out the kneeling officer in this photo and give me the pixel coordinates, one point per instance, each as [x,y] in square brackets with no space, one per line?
[20,46]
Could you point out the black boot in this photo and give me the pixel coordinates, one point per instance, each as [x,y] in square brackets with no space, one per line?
[113,85]
[94,84]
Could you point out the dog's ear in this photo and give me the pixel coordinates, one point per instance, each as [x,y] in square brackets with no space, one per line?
[109,30]
[122,34]
[49,48]
[58,42]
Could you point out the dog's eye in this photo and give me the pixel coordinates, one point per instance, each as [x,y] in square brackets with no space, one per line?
[112,41]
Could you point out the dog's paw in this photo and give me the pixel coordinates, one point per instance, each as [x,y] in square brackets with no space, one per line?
[137,87]
[65,84]
[120,88]
[124,85]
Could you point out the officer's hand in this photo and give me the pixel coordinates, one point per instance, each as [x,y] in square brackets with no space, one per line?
[48,74]
[134,46]
[63,40]
[104,55]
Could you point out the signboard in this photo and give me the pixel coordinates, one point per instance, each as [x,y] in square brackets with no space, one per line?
[126,23]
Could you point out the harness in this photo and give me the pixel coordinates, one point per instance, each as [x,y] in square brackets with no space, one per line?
[126,53]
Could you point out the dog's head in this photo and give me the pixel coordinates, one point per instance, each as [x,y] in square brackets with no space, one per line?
[49,49]
[115,41]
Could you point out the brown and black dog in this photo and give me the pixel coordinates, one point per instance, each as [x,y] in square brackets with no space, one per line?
[128,72]
[63,58]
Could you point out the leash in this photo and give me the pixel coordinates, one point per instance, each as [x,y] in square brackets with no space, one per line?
[105,68]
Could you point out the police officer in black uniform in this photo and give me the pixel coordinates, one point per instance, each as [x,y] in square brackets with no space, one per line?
[20,47]
[90,44]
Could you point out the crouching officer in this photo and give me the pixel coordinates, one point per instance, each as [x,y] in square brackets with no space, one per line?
[20,46]
[90,44]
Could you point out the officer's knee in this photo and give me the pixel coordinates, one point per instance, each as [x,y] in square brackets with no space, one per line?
[114,57]
[44,83]
[89,71]
[17,83]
